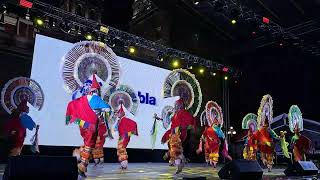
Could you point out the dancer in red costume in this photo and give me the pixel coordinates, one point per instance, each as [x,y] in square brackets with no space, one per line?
[15,95]
[126,128]
[265,134]
[299,143]
[249,122]
[212,135]
[86,111]
[16,130]
[181,121]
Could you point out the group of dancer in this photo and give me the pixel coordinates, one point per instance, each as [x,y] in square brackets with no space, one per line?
[261,138]
[95,112]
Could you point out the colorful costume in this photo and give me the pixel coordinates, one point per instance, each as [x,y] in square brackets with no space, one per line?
[86,111]
[14,97]
[300,144]
[265,134]
[181,121]
[213,136]
[126,128]
[249,122]
[179,83]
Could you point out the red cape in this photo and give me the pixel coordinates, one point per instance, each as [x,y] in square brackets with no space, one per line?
[263,136]
[182,119]
[127,127]
[79,109]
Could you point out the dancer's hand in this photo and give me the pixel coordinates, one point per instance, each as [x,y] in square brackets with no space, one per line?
[199,150]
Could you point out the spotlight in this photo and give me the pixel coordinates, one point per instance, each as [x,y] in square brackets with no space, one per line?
[196,2]
[161,59]
[213,73]
[225,77]
[201,70]
[265,20]
[39,21]
[88,36]
[233,21]
[132,49]
[190,67]
[280,44]
[175,63]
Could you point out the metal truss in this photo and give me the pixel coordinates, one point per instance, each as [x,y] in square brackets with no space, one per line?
[276,31]
[126,38]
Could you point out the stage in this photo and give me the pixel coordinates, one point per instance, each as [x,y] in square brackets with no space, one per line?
[163,171]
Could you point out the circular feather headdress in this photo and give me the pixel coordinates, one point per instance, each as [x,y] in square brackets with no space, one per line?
[250,122]
[265,110]
[21,89]
[87,58]
[295,118]
[182,83]
[124,95]
[214,113]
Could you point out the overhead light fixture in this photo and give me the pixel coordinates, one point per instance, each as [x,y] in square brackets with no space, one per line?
[132,50]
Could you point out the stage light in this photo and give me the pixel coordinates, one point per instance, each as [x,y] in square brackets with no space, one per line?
[265,20]
[161,59]
[225,69]
[39,21]
[280,44]
[26,4]
[175,63]
[214,74]
[196,2]
[88,36]
[190,67]
[225,77]
[233,21]
[201,70]
[104,29]
[132,49]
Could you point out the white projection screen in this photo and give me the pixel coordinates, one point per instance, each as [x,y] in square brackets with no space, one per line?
[144,78]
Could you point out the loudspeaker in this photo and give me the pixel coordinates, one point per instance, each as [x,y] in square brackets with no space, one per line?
[241,169]
[41,167]
[301,168]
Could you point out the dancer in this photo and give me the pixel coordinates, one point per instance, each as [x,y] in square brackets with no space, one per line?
[15,95]
[299,143]
[213,136]
[265,134]
[181,121]
[89,113]
[211,142]
[126,127]
[249,122]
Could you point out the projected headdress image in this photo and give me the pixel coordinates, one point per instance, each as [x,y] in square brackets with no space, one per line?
[214,113]
[265,111]
[87,58]
[124,95]
[295,119]
[182,83]
[21,89]
[250,122]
